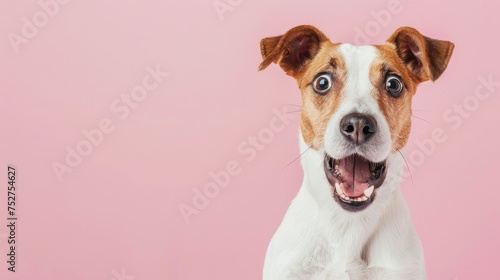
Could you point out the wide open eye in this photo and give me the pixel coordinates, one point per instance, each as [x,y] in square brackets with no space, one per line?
[323,83]
[394,85]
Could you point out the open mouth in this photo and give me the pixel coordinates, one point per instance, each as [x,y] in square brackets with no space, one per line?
[354,180]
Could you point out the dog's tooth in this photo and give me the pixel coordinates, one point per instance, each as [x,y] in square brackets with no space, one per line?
[338,189]
[368,192]
[364,198]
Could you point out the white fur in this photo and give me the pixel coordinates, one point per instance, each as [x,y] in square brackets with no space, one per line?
[357,96]
[319,240]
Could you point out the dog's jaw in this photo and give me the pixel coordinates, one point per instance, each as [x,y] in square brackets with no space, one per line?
[356,190]
[321,190]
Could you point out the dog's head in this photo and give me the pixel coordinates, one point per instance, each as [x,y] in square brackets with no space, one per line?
[356,100]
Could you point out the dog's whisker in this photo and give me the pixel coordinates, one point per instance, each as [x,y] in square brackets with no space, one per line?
[407,167]
[418,118]
[296,158]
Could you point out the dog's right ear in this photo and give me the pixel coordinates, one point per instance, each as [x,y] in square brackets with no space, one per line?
[293,50]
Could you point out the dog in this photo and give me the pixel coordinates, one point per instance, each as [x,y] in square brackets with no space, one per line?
[349,219]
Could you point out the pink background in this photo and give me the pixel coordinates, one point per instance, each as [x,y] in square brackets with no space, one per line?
[117,213]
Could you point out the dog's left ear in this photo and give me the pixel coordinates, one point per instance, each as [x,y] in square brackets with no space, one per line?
[293,50]
[424,57]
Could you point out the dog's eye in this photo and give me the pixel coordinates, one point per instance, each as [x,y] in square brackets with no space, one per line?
[322,84]
[394,85]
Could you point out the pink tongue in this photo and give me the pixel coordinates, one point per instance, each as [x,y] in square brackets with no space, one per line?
[355,172]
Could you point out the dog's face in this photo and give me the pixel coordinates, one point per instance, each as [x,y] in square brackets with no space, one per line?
[356,100]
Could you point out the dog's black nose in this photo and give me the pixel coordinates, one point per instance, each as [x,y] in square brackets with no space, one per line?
[358,128]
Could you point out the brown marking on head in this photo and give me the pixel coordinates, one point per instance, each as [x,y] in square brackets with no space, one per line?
[415,59]
[302,53]
[317,109]
[397,110]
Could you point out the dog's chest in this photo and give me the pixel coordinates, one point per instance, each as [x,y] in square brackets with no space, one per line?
[314,265]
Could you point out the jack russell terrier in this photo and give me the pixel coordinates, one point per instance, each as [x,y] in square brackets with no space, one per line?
[349,220]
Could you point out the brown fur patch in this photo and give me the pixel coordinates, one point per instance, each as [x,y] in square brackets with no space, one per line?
[318,109]
[425,57]
[397,110]
[292,51]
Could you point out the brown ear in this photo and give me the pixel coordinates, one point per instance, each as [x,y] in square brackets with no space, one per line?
[293,50]
[425,58]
